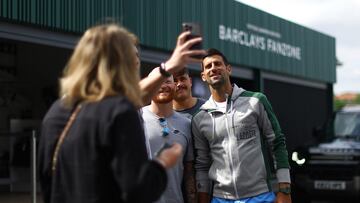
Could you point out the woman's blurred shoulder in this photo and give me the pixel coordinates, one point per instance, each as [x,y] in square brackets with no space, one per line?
[55,110]
[117,104]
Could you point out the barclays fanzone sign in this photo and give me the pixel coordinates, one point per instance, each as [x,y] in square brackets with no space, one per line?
[259,42]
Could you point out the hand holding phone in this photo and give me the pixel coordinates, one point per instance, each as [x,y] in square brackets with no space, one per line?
[182,54]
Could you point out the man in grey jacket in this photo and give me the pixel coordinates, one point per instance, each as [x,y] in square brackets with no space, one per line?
[237,141]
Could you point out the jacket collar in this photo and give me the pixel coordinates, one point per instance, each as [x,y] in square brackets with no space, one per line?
[210,105]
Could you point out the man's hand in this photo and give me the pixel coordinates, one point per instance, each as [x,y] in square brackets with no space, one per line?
[283,198]
[182,53]
[181,56]
[168,157]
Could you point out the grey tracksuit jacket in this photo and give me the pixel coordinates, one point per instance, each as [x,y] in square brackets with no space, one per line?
[238,149]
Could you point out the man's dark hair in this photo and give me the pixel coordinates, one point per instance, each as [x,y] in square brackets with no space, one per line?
[212,52]
[183,71]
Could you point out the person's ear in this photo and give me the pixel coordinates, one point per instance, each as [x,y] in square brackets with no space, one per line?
[228,68]
[203,76]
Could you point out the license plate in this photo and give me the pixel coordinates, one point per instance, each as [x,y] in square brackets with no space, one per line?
[329,185]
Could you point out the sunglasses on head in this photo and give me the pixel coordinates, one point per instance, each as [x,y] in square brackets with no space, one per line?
[165,129]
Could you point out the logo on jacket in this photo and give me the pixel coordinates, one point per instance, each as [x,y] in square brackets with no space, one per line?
[245,132]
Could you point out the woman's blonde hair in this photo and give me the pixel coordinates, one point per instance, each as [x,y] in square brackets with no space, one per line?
[102,64]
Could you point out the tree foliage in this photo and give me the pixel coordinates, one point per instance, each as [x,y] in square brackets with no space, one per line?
[357,100]
[338,104]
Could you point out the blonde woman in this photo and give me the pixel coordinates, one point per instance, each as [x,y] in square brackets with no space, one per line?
[92,147]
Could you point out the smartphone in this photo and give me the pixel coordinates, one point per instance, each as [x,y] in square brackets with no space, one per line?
[195,30]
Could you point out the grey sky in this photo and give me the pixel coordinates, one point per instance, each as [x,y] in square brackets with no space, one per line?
[337,18]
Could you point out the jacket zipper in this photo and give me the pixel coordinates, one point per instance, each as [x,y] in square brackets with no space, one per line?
[230,152]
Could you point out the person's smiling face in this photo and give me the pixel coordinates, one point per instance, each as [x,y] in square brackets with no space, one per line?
[215,72]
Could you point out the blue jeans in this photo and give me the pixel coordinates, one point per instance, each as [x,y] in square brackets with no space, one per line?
[268,197]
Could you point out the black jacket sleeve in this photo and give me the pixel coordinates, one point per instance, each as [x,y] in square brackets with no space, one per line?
[44,171]
[139,179]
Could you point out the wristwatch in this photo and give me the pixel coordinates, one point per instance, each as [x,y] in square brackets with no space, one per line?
[285,190]
[163,71]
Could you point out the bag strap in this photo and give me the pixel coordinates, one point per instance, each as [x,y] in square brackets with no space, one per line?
[62,137]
